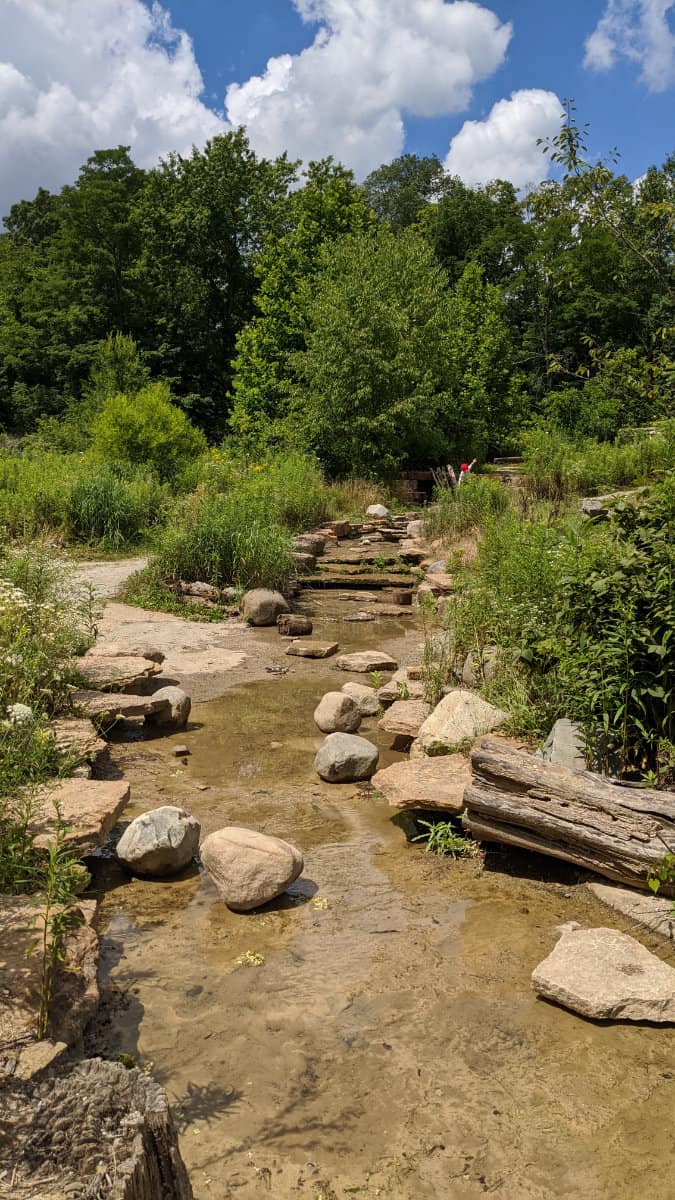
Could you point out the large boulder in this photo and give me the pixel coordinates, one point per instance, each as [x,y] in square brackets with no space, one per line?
[366,698]
[608,976]
[365,661]
[460,718]
[175,712]
[249,868]
[160,842]
[564,746]
[337,713]
[344,758]
[377,510]
[309,543]
[426,783]
[262,607]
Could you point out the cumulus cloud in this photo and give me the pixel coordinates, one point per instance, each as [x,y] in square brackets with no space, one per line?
[638,30]
[504,145]
[80,75]
[371,63]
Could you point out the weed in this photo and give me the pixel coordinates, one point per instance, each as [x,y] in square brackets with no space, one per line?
[403,690]
[442,838]
[377,679]
[250,958]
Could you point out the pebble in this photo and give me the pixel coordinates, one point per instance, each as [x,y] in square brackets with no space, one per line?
[180,751]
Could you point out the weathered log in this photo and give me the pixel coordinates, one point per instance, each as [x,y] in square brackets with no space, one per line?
[516,798]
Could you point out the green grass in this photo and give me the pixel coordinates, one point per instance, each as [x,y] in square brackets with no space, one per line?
[465,508]
[556,466]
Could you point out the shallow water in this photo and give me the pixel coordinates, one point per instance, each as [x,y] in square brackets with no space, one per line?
[389,1044]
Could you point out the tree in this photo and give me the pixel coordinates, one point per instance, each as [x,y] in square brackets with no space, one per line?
[327,207]
[399,191]
[146,429]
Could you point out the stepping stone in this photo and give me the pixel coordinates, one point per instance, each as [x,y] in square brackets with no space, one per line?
[79,735]
[116,673]
[365,661]
[104,649]
[104,707]
[426,783]
[607,976]
[392,690]
[405,717]
[313,649]
[653,912]
[438,583]
[88,807]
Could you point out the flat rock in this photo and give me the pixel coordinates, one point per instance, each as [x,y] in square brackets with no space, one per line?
[344,758]
[653,912]
[116,672]
[249,868]
[607,976]
[337,712]
[104,707]
[365,661]
[88,807]
[132,649]
[366,698]
[78,735]
[313,649]
[426,783]
[440,583]
[405,717]
[360,616]
[414,556]
[160,842]
[460,717]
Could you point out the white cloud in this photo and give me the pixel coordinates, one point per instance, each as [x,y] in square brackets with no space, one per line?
[504,145]
[371,63]
[80,75]
[641,31]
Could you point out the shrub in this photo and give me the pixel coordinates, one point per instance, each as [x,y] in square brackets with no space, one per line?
[467,507]
[114,506]
[145,428]
[216,539]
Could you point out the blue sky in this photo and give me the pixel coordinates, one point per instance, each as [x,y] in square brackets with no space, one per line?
[363,80]
[233,40]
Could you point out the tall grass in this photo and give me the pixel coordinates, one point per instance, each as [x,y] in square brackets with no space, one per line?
[465,508]
[556,466]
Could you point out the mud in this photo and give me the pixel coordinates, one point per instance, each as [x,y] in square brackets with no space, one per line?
[389,1044]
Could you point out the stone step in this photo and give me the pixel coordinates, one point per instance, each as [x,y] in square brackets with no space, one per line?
[106,707]
[116,673]
[88,807]
[79,735]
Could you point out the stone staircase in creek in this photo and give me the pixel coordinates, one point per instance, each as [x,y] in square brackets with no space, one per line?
[369,556]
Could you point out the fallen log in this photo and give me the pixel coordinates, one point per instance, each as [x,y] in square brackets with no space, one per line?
[516,798]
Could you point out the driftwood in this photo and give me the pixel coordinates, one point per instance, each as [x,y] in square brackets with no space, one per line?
[618,832]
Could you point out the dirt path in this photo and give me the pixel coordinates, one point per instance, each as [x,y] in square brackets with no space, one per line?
[390,1043]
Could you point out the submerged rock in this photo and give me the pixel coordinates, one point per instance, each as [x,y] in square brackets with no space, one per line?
[344,758]
[249,868]
[460,717]
[313,649]
[294,625]
[160,842]
[262,607]
[608,976]
[337,713]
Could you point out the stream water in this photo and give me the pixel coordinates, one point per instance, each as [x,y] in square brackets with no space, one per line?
[389,1044]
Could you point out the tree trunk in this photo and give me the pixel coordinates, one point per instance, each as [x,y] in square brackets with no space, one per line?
[516,798]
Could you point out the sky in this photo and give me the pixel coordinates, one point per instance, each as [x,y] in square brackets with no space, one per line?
[363,80]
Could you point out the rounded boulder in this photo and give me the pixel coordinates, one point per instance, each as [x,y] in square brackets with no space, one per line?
[344,758]
[176,711]
[262,607]
[249,868]
[366,698]
[337,713]
[160,842]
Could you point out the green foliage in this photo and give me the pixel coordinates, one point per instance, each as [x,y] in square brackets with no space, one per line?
[443,839]
[146,428]
[399,191]
[456,511]
[287,487]
[557,466]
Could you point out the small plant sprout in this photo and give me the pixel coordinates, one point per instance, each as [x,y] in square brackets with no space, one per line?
[403,690]
[378,679]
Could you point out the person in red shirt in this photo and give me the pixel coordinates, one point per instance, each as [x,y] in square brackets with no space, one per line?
[465,470]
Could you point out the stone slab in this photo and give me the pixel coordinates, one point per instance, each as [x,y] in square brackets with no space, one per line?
[307,649]
[405,717]
[366,661]
[426,783]
[116,672]
[106,707]
[89,807]
[78,735]
[652,912]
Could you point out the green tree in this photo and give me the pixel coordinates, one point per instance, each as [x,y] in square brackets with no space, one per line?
[146,429]
[327,207]
[399,191]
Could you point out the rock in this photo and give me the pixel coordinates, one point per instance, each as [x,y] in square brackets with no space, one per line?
[262,607]
[202,591]
[426,783]
[437,567]
[249,868]
[475,671]
[294,625]
[344,758]
[105,709]
[654,912]
[360,616]
[309,543]
[401,686]
[160,842]
[414,529]
[136,650]
[20,714]
[377,510]
[340,529]
[405,717]
[175,711]
[439,583]
[607,976]
[180,751]
[402,596]
[366,698]
[337,712]
[365,661]
[89,809]
[78,735]
[305,563]
[460,717]
[412,555]
[564,746]
[117,672]
[313,649]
